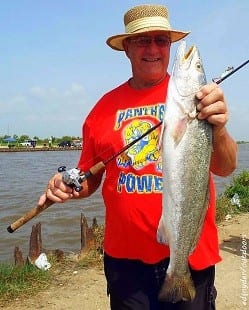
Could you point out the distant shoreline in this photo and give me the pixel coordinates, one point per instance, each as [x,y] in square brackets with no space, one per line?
[37,149]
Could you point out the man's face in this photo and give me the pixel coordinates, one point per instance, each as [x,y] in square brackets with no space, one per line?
[149,55]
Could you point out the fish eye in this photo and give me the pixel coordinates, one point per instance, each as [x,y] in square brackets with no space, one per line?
[198,65]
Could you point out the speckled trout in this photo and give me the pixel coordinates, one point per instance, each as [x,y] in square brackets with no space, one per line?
[186,150]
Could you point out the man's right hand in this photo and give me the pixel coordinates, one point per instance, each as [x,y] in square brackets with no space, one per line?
[57,191]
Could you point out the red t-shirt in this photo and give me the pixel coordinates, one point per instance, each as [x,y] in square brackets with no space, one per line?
[132,188]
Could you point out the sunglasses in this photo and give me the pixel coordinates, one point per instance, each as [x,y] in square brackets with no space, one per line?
[160,40]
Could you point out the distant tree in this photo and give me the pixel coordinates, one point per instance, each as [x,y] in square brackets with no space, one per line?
[66,138]
[6,136]
[23,138]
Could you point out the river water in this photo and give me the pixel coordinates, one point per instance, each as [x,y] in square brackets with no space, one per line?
[23,177]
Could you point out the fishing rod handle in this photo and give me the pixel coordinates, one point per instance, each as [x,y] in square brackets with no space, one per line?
[97,168]
[29,215]
[38,209]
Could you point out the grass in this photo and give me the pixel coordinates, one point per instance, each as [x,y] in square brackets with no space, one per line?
[18,282]
[226,205]
[25,281]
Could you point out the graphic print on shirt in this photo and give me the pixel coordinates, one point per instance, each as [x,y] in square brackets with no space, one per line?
[145,150]
[142,154]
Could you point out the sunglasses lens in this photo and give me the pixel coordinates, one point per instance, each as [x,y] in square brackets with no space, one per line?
[160,41]
[143,41]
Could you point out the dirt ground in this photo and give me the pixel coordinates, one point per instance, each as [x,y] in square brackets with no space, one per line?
[86,289]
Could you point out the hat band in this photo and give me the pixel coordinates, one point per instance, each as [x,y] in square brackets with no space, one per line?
[146,22]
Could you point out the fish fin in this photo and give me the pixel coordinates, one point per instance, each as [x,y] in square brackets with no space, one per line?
[161,233]
[179,129]
[176,288]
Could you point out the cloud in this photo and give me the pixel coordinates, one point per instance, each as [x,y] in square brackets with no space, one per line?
[44,107]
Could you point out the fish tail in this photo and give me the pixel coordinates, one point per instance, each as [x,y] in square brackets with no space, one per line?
[176,288]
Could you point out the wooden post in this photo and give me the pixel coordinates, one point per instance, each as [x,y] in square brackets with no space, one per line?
[19,261]
[35,243]
[87,236]
[94,224]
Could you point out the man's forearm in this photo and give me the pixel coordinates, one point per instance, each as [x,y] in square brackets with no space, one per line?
[224,156]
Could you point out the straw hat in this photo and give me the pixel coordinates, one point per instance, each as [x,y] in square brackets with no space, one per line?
[142,19]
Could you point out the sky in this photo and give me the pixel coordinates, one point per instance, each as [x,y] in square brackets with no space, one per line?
[55,64]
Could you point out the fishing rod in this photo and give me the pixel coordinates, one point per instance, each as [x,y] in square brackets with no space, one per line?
[221,79]
[75,177]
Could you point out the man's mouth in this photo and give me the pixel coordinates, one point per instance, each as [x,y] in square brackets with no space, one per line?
[151,59]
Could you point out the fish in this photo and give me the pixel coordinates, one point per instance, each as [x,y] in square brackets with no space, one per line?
[186,144]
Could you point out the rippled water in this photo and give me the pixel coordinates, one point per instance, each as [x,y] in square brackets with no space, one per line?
[23,177]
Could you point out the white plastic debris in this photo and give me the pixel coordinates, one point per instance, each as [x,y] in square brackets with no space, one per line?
[235,200]
[228,217]
[42,262]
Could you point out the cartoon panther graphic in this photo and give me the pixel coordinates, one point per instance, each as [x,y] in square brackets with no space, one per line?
[145,150]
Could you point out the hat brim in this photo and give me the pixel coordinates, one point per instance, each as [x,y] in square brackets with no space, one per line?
[116,42]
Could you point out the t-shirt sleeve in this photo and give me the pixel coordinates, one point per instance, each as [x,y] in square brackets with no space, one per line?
[88,155]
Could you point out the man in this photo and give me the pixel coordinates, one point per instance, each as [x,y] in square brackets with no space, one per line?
[135,263]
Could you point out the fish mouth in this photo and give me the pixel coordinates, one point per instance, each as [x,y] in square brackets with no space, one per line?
[186,56]
[190,52]
[188,73]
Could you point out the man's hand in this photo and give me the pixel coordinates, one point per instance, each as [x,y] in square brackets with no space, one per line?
[212,106]
[57,191]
